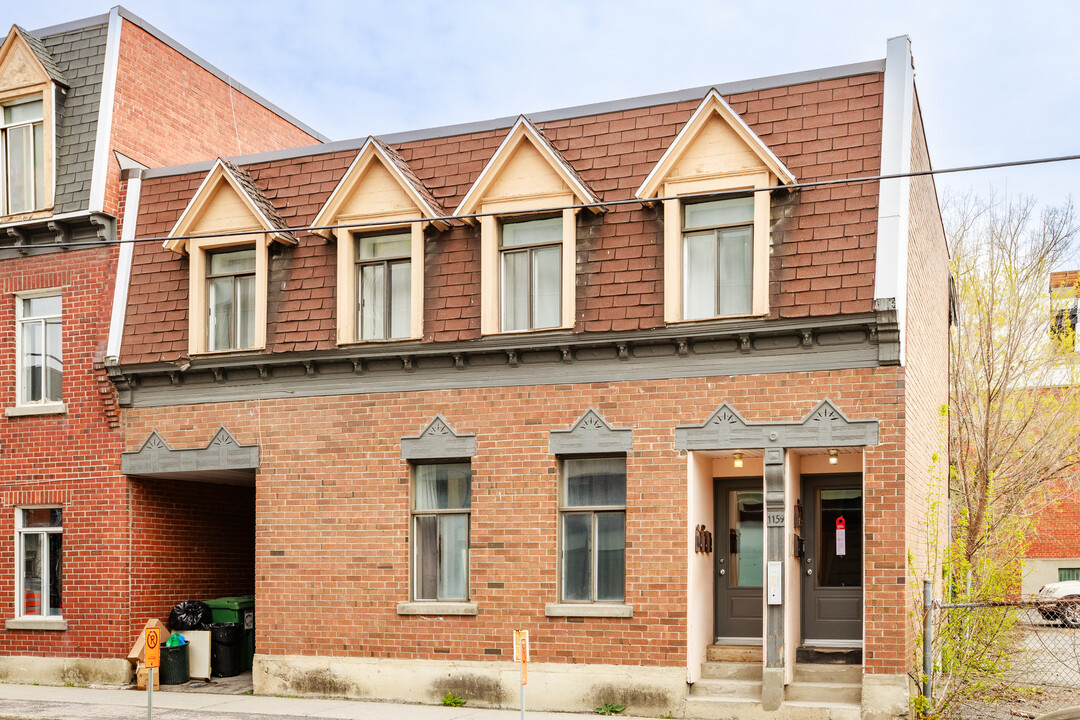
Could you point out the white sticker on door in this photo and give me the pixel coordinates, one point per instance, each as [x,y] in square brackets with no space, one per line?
[841,537]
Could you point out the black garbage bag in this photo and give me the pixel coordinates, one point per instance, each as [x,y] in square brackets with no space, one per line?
[190,615]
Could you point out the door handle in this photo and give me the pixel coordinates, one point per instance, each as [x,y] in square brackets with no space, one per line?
[723,571]
[809,571]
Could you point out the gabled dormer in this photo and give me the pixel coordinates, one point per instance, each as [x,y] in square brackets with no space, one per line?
[527,248]
[378,213]
[226,230]
[716,249]
[29,83]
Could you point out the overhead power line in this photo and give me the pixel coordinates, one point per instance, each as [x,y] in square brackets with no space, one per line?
[596,205]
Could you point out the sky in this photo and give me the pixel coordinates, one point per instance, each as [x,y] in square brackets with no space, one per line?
[996,80]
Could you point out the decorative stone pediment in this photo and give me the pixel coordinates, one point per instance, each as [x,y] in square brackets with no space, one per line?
[825,426]
[438,441]
[223,460]
[591,434]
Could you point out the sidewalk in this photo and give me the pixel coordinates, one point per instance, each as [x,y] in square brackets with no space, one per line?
[40,702]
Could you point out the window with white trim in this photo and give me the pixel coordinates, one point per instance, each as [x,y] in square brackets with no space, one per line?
[384,285]
[441,503]
[39,538]
[230,293]
[22,149]
[530,260]
[40,350]
[592,527]
[718,258]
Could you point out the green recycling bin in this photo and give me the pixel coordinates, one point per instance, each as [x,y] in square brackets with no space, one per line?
[238,610]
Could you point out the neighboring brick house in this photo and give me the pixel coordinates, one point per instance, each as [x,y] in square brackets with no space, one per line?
[85,106]
[1054,552]
[620,375]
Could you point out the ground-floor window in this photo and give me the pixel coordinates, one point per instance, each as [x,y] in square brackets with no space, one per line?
[40,540]
[442,497]
[592,521]
[1066,574]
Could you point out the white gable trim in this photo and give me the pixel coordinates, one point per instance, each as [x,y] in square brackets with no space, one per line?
[103,139]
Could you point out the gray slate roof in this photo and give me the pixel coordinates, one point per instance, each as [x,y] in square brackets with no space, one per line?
[79,57]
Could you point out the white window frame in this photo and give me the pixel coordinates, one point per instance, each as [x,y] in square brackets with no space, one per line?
[728,187]
[527,250]
[199,251]
[388,261]
[20,402]
[593,511]
[20,533]
[234,330]
[414,545]
[38,202]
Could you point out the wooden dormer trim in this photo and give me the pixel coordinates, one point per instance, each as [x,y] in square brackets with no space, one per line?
[712,105]
[524,131]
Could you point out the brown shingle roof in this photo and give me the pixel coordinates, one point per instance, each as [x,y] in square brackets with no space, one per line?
[251,189]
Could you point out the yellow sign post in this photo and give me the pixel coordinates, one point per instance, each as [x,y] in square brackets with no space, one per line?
[153,660]
[521,655]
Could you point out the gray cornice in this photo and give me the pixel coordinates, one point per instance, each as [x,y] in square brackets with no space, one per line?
[824,426]
[222,460]
[684,351]
[68,233]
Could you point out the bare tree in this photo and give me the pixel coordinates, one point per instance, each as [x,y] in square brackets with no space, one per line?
[1014,390]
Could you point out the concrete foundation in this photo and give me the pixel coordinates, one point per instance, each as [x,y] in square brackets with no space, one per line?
[62,671]
[886,697]
[647,691]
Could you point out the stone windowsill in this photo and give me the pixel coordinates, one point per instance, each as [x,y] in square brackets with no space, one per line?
[31,623]
[589,610]
[48,409]
[437,608]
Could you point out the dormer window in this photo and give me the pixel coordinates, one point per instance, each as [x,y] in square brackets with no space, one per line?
[22,144]
[230,289]
[718,258]
[384,285]
[530,256]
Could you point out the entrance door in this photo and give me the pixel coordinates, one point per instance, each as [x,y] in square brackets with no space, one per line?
[832,568]
[739,550]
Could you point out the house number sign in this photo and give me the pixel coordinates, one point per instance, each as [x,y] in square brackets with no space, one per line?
[774,518]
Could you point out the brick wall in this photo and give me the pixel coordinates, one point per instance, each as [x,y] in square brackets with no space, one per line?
[70,459]
[170,111]
[190,541]
[927,362]
[823,239]
[332,538]
[1056,525]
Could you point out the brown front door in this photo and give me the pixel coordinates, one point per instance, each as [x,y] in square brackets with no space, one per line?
[832,568]
[739,552]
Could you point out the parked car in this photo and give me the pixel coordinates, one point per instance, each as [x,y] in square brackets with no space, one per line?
[1067,611]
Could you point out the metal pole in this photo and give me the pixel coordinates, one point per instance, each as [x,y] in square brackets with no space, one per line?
[522,701]
[927,641]
[150,694]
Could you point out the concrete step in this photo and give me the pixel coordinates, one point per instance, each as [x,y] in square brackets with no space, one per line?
[731,671]
[824,693]
[806,672]
[719,708]
[734,653]
[727,688]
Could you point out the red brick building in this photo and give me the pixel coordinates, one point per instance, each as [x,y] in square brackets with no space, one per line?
[86,107]
[652,379]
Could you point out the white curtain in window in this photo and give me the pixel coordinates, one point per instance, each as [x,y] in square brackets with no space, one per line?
[699,276]
[735,268]
[547,287]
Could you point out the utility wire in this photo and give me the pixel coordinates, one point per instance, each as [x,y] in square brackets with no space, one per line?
[580,206]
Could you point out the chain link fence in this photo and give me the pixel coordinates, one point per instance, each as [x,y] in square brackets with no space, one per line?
[1004,660]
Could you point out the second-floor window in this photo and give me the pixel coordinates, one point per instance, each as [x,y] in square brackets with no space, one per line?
[230,291]
[530,259]
[384,286]
[41,355]
[718,258]
[22,145]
